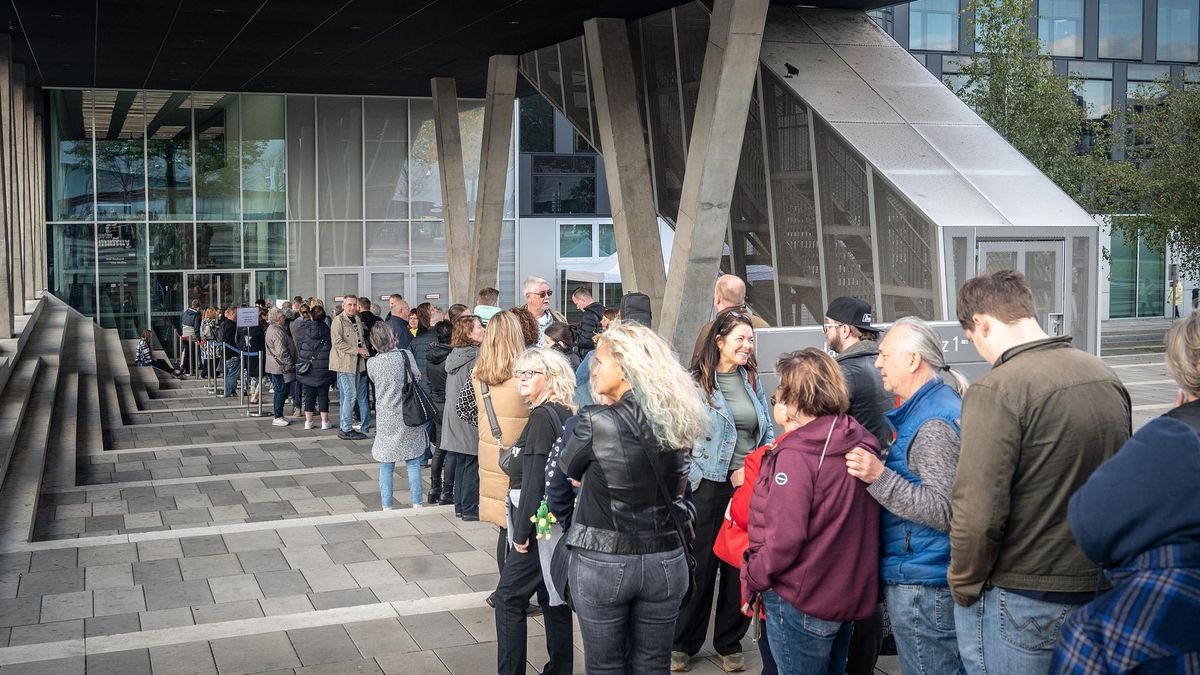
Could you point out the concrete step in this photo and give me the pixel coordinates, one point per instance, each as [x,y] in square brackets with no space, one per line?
[110,404]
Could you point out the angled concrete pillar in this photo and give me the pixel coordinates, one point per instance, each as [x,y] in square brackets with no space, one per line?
[726,84]
[496,150]
[17,153]
[635,218]
[454,188]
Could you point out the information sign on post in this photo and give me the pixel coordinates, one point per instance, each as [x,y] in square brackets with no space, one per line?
[247,317]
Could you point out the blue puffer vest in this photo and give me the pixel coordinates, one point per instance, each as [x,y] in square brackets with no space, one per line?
[913,553]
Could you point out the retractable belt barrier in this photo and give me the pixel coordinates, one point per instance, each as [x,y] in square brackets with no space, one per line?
[243,396]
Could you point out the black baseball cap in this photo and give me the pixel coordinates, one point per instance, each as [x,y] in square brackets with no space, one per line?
[852,312]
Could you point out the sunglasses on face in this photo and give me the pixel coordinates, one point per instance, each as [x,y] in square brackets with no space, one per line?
[541,294]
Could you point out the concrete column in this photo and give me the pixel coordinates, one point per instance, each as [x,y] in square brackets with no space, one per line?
[454,188]
[6,251]
[496,150]
[39,197]
[17,215]
[32,245]
[630,191]
[726,84]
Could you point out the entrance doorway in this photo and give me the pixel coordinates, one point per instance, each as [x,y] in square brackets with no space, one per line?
[1043,264]
[220,289]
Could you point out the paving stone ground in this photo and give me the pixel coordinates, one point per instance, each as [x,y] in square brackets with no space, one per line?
[208,542]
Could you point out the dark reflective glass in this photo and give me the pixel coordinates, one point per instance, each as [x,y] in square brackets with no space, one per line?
[169,155]
[1060,27]
[575,104]
[120,155]
[122,265]
[264,157]
[537,124]
[218,169]
[564,194]
[301,157]
[339,157]
[266,244]
[218,246]
[1120,29]
[166,304]
[172,246]
[386,161]
[72,261]
[1177,30]
[71,178]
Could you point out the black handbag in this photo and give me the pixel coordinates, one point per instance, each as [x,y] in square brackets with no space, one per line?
[418,408]
[560,562]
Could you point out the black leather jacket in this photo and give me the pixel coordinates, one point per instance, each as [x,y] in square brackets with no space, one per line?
[869,401]
[621,508]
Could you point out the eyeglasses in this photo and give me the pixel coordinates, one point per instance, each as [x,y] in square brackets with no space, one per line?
[826,327]
[541,294]
[527,374]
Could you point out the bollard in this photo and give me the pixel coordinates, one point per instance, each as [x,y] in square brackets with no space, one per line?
[241,384]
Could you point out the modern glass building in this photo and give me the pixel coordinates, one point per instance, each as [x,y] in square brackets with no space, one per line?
[159,198]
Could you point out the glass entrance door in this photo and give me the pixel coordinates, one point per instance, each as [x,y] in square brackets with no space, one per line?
[1042,263]
[336,284]
[386,282]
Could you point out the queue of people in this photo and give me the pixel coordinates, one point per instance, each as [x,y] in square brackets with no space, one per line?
[1009,525]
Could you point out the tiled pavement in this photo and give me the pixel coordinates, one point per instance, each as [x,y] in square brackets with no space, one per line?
[223,544]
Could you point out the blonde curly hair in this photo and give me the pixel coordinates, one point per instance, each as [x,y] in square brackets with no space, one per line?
[560,377]
[666,393]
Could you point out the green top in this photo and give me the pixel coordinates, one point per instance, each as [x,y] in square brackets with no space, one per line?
[745,417]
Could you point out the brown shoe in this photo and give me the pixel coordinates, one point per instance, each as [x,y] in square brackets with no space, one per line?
[732,663]
[680,662]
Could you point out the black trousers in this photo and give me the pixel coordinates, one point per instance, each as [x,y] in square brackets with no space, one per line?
[865,643]
[520,580]
[713,577]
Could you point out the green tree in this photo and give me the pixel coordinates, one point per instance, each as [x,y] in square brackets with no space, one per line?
[1015,89]
[1162,142]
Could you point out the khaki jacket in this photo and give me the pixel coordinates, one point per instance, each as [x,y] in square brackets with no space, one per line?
[347,339]
[1033,430]
[512,414]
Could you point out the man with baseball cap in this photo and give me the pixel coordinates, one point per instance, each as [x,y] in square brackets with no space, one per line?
[849,332]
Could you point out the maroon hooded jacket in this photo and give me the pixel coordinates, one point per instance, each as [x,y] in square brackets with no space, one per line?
[814,535]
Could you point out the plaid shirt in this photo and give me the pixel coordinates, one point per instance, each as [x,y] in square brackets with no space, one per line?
[1148,622]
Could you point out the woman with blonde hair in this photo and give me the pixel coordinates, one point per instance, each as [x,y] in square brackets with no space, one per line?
[547,383]
[497,397]
[633,525]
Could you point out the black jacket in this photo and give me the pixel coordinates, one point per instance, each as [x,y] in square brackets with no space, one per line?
[589,325]
[419,346]
[621,508]
[368,320]
[313,345]
[229,336]
[869,401]
[435,370]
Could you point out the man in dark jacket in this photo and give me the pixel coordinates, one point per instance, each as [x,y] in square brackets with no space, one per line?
[233,367]
[849,332]
[589,324]
[1033,431]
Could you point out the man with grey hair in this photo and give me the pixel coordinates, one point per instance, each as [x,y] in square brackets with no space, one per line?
[280,362]
[537,301]
[348,359]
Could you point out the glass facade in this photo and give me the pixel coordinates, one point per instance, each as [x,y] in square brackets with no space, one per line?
[1060,27]
[1178,24]
[1137,279]
[158,198]
[933,25]
[1120,29]
[803,226]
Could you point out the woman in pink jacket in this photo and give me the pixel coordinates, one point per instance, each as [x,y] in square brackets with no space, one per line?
[814,560]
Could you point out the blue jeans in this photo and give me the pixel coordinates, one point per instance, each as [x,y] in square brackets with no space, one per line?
[1008,633]
[923,624]
[233,368]
[414,481]
[803,644]
[627,606]
[281,392]
[348,395]
[466,485]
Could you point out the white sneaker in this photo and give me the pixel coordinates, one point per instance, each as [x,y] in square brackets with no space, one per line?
[387,508]
[308,424]
[279,422]
[418,506]
[326,425]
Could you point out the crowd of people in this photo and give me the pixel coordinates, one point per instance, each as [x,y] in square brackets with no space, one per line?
[1012,525]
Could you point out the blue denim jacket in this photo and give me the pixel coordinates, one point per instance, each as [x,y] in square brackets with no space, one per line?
[713,452]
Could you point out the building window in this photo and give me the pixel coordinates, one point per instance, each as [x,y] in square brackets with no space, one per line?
[1120,29]
[564,184]
[537,124]
[933,25]
[1095,88]
[1060,27]
[575,240]
[885,18]
[1178,26]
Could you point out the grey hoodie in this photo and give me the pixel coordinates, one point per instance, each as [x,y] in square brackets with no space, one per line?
[457,435]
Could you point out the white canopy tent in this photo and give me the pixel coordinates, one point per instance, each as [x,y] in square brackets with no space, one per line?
[608,271]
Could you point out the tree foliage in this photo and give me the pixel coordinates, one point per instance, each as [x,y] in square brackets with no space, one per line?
[1162,142]
[1015,89]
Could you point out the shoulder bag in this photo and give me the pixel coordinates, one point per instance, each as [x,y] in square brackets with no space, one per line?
[418,409]
[508,456]
[465,406]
